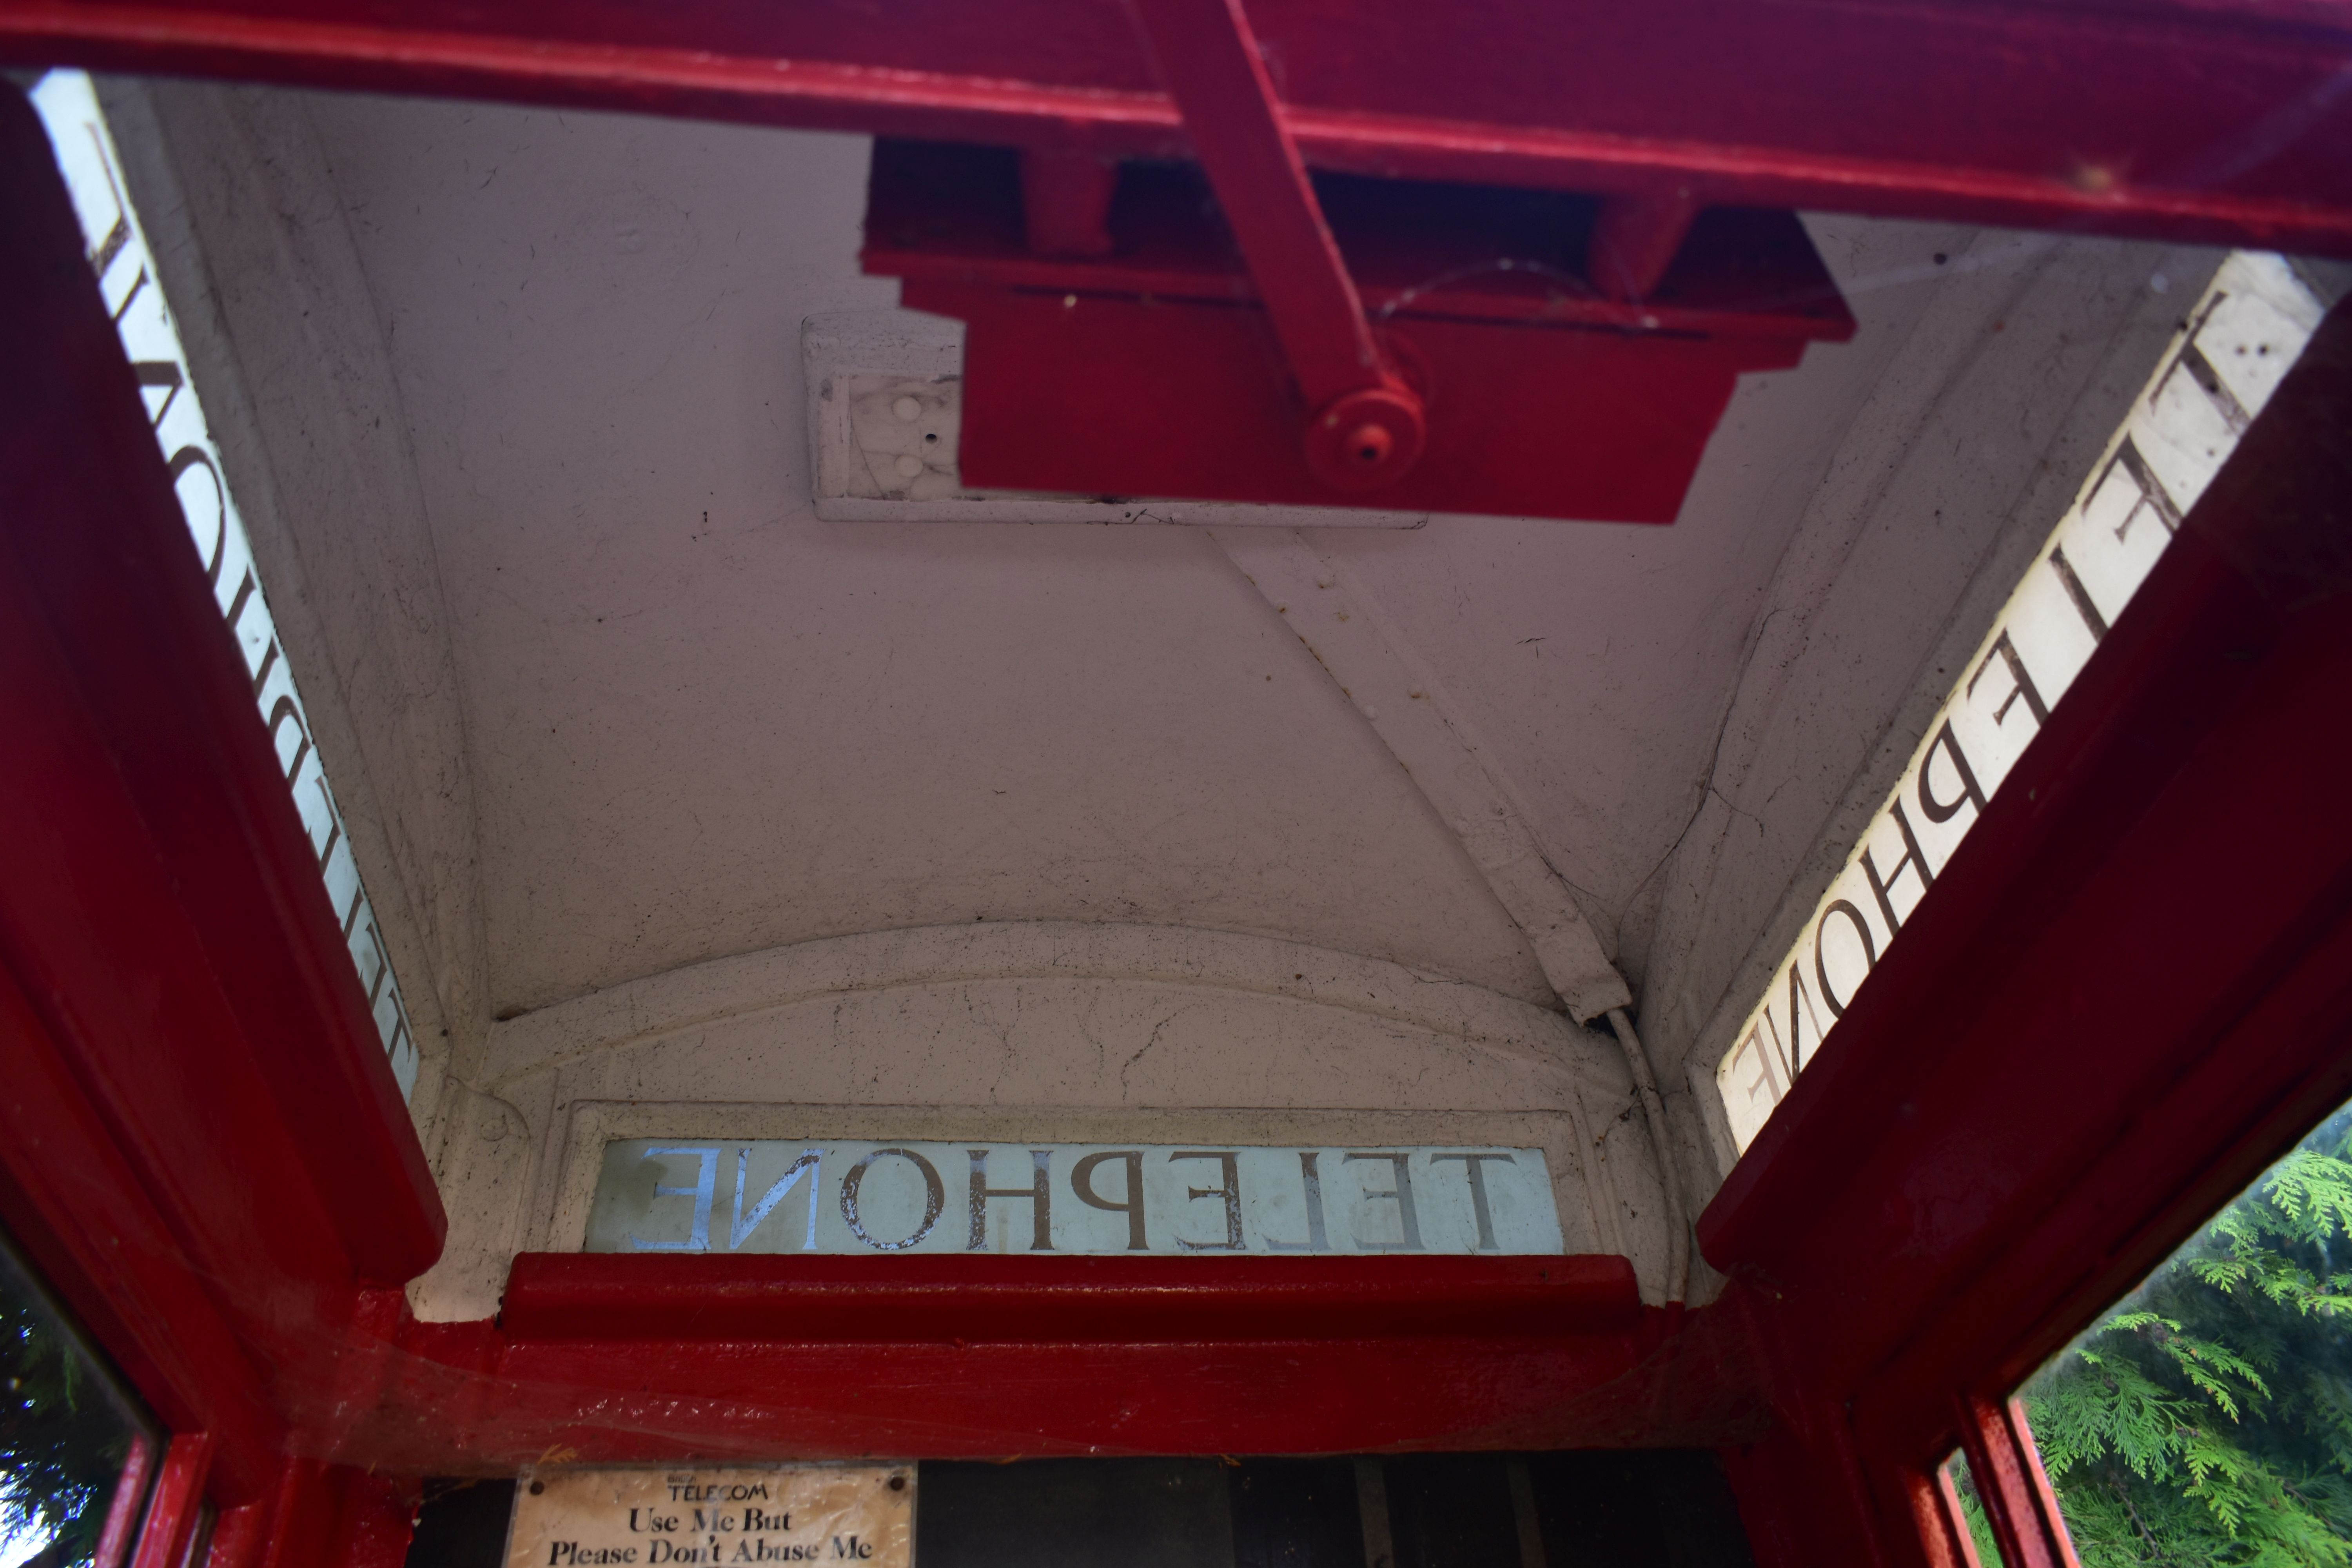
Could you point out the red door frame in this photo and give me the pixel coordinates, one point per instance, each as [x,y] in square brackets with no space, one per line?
[206,1158]
[2129,992]
[204,1151]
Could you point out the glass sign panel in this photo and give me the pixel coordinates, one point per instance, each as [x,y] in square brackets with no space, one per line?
[665,1194]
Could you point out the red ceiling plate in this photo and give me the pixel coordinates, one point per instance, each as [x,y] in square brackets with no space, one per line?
[1154,373]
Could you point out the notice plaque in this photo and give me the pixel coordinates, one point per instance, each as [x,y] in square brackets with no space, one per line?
[832,1514]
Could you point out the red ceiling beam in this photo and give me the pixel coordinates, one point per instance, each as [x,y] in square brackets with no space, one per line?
[2172,120]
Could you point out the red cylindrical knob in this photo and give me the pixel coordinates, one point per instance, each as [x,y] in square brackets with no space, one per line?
[1364,440]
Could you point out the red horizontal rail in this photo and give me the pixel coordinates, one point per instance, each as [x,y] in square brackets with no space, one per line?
[2190,122]
[630,1360]
[993,1300]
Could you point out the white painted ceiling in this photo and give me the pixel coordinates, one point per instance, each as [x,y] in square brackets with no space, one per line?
[696,721]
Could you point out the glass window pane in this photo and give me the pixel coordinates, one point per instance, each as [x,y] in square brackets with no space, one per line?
[67,1427]
[2207,1418]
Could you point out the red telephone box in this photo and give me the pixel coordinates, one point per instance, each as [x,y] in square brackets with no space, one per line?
[1510,263]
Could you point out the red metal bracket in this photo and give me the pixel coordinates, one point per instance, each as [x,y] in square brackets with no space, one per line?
[1116,345]
[1366,428]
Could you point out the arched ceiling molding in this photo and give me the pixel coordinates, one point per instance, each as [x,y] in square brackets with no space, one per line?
[644,1011]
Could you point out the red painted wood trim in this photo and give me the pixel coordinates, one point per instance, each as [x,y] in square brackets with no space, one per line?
[297,1521]
[2191,122]
[2048,1516]
[378,1518]
[991,1300]
[2176,1158]
[240,1536]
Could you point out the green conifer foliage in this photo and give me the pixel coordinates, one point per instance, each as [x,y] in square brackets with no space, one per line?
[62,1438]
[2207,1420]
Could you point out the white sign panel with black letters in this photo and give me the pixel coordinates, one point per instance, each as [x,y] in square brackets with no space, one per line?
[2231,355]
[134,292]
[848,1516]
[669,1194]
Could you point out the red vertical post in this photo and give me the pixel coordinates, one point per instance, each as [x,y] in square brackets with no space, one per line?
[1943,1523]
[320,1516]
[302,1523]
[240,1536]
[2045,1499]
[123,1508]
[379,1515]
[2026,1523]
[178,1507]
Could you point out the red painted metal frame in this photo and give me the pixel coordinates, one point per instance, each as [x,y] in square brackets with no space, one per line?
[2185,118]
[110,610]
[618,1376]
[205,1151]
[2150,929]
[1565,423]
